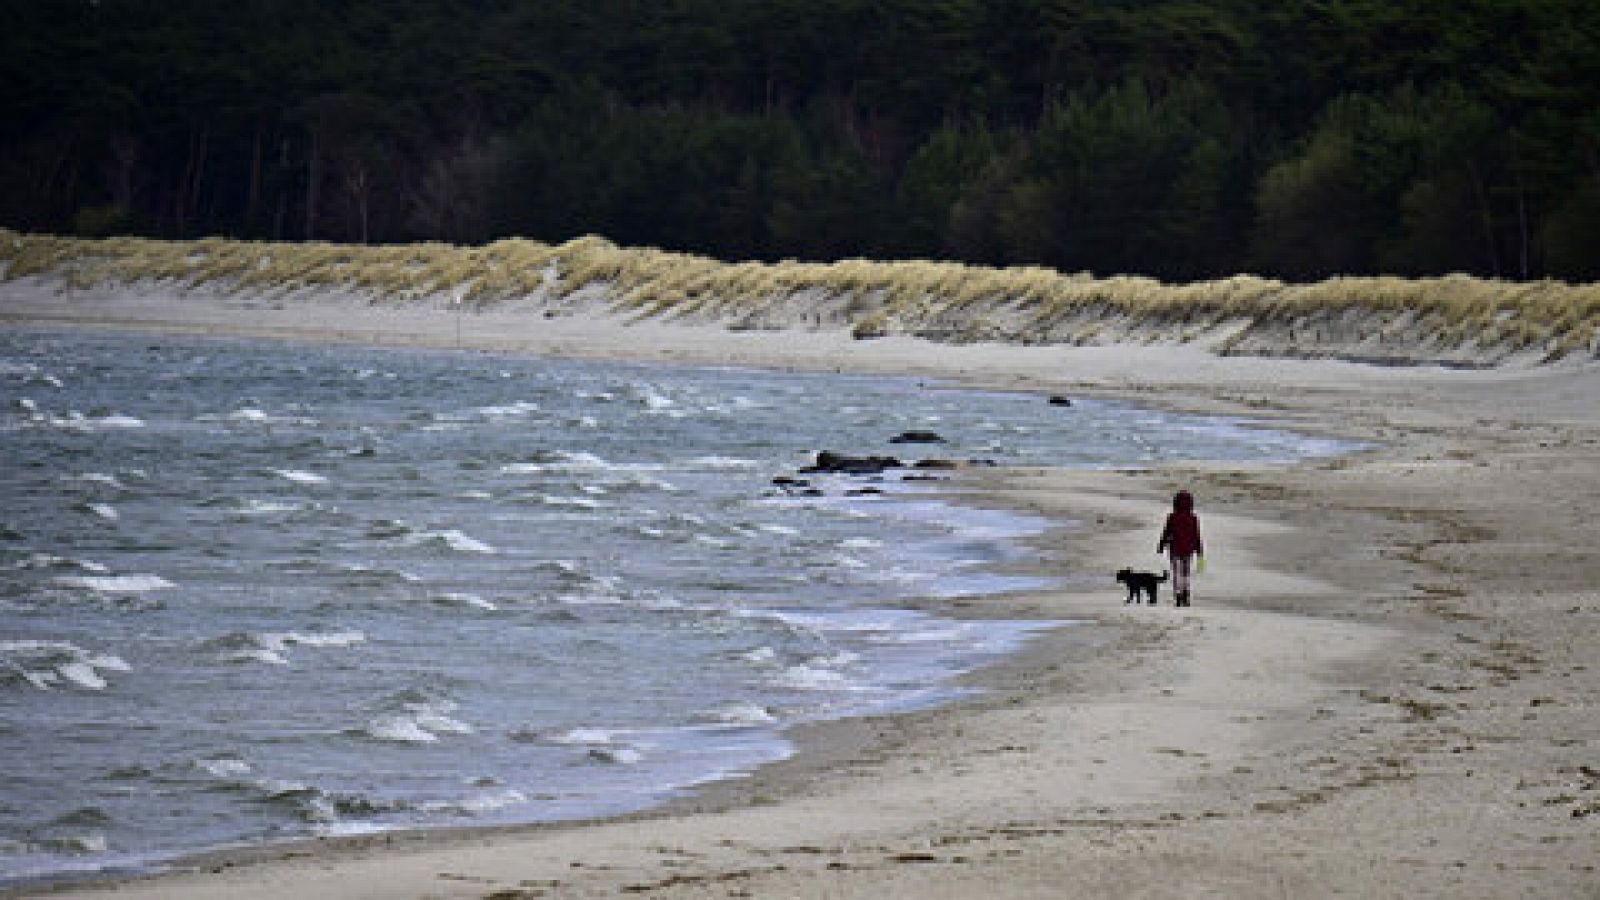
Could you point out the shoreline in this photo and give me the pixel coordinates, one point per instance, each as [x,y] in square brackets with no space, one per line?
[1300,730]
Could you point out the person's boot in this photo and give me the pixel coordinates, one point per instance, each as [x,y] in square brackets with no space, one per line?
[1183,598]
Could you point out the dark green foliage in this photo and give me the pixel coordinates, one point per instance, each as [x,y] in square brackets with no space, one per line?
[1177,138]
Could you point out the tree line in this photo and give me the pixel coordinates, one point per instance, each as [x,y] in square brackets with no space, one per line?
[1181,139]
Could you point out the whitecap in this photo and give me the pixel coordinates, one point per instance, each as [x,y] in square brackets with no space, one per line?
[223,767]
[569,502]
[723,463]
[457,598]
[481,802]
[584,735]
[300,477]
[784,530]
[520,408]
[116,584]
[439,723]
[51,561]
[400,729]
[46,664]
[623,756]
[455,540]
[81,674]
[97,478]
[738,714]
[80,844]
[320,638]
[257,654]
[761,654]
[421,723]
[812,678]
[104,510]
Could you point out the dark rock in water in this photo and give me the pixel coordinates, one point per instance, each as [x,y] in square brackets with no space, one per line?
[917,437]
[1059,400]
[863,492]
[937,464]
[839,463]
[786,482]
[924,478]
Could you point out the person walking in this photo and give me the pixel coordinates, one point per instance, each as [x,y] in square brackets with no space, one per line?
[1180,540]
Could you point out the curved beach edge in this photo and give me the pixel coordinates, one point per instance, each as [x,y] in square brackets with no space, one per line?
[1384,687]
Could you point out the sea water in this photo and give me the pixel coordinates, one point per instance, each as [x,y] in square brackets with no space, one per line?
[254,591]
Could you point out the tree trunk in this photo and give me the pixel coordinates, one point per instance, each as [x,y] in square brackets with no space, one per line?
[313,186]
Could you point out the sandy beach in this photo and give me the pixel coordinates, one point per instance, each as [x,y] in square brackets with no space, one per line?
[1386,686]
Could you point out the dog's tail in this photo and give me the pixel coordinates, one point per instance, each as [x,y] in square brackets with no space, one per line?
[1164,576]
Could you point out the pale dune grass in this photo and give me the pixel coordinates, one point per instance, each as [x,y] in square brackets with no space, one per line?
[1454,316]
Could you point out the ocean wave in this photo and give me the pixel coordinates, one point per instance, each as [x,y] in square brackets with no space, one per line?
[78,422]
[414,717]
[51,561]
[509,410]
[273,647]
[250,415]
[116,584]
[577,461]
[100,478]
[722,463]
[299,476]
[463,598]
[48,664]
[454,540]
[103,510]
[737,714]
[477,803]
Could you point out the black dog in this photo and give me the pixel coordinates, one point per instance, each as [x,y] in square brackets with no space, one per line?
[1146,582]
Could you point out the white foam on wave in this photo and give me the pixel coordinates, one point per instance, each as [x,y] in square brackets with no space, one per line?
[48,664]
[251,415]
[723,463]
[96,478]
[579,461]
[454,539]
[813,678]
[461,598]
[569,502]
[51,561]
[738,714]
[77,421]
[253,507]
[116,584]
[478,803]
[223,767]
[104,510]
[419,723]
[584,735]
[300,477]
[273,647]
[509,410]
[622,756]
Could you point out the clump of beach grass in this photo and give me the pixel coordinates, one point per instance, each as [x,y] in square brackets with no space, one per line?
[1400,318]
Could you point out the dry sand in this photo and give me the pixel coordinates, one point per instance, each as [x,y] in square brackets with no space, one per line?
[1387,686]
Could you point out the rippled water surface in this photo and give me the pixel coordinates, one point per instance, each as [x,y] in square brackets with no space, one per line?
[253,590]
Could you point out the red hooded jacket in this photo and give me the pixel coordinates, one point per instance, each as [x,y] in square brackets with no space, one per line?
[1182,532]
